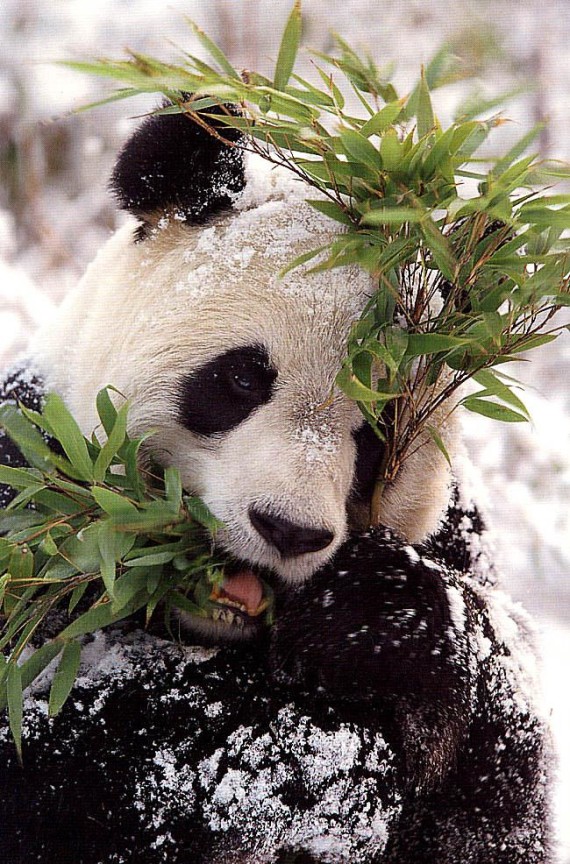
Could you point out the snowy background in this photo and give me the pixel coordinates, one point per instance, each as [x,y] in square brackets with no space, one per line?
[55,213]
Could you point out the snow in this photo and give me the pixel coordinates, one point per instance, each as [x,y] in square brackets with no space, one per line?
[55,213]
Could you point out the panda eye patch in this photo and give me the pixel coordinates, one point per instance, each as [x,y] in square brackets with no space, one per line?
[222,393]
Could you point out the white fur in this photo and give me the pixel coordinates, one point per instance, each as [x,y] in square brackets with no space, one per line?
[146,314]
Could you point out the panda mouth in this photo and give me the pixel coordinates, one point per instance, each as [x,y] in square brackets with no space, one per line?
[241,599]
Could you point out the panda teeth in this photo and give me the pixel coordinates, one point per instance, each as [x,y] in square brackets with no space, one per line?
[225,615]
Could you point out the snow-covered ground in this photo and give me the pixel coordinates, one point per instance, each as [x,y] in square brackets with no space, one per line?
[55,213]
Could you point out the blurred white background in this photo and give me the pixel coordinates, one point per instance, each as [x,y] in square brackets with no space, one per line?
[55,212]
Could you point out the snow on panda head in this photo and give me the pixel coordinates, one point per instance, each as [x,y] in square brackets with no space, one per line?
[233,366]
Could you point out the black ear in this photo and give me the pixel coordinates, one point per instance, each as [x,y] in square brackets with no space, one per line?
[173,165]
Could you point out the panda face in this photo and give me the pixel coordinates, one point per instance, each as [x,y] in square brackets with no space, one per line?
[230,363]
[248,410]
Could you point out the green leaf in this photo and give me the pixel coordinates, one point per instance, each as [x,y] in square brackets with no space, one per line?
[155,555]
[383,119]
[347,381]
[14,699]
[82,549]
[76,596]
[48,545]
[113,444]
[106,541]
[397,341]
[200,513]
[65,677]
[338,98]
[391,150]
[432,343]
[289,47]
[20,478]
[69,435]
[424,110]
[494,386]
[492,410]
[4,583]
[535,214]
[97,618]
[534,342]
[21,565]
[393,216]
[330,209]
[212,49]
[40,659]
[438,441]
[31,443]
[113,503]
[130,585]
[106,410]
[300,260]
[173,488]
[359,147]
[517,150]
[183,603]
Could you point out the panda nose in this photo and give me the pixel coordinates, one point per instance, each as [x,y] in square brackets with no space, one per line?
[290,539]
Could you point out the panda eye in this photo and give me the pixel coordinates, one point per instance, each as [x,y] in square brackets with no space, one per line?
[223,393]
[242,381]
[247,381]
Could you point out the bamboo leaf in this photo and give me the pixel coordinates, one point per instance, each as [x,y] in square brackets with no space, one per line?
[214,51]
[69,435]
[330,209]
[201,514]
[301,259]
[502,164]
[14,699]
[114,504]
[131,585]
[359,148]
[347,381]
[40,659]
[65,677]
[424,110]
[21,478]
[432,343]
[383,119]
[438,441]
[492,410]
[391,150]
[288,48]
[27,438]
[106,410]
[173,488]
[393,216]
[112,446]
[99,617]
[490,380]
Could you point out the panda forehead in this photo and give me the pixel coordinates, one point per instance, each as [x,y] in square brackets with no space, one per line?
[244,253]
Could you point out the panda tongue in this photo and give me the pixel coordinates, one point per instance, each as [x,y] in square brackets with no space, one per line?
[245,588]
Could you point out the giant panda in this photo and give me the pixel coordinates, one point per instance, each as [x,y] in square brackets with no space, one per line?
[391,714]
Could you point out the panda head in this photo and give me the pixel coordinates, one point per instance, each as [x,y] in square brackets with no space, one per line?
[231,364]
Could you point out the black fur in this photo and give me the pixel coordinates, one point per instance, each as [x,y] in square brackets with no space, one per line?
[379,719]
[457,543]
[220,395]
[171,165]
[369,453]
[25,386]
